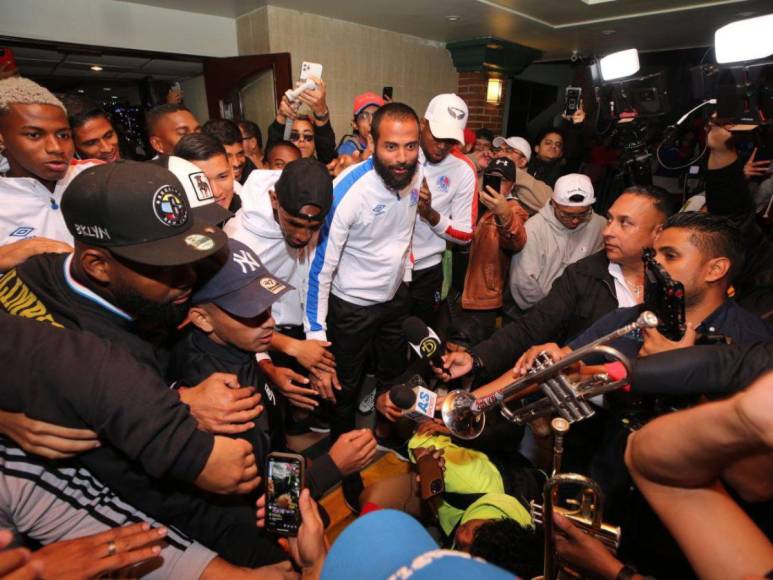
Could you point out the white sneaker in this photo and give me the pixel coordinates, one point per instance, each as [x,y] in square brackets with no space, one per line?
[367,404]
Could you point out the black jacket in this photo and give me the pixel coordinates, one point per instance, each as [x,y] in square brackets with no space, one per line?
[196,357]
[324,140]
[581,295]
[38,289]
[76,379]
[727,193]
[710,369]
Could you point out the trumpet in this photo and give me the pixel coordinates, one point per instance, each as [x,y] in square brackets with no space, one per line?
[585,510]
[464,414]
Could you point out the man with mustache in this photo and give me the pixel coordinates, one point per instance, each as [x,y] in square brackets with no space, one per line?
[36,140]
[355,296]
[587,289]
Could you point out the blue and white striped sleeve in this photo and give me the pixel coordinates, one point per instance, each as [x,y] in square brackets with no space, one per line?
[324,262]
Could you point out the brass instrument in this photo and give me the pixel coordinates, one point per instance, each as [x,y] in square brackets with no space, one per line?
[464,414]
[585,509]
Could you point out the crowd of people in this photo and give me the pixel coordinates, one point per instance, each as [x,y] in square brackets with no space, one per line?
[167,324]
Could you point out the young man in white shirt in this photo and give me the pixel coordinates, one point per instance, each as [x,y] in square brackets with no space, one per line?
[37,141]
[449,212]
[355,296]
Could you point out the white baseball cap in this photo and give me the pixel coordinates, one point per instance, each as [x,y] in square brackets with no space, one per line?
[447,115]
[574,189]
[518,143]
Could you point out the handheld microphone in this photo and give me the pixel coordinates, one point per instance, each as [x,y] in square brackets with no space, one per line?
[424,341]
[415,399]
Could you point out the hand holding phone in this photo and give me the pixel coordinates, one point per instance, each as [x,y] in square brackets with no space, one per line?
[431,481]
[572,100]
[284,482]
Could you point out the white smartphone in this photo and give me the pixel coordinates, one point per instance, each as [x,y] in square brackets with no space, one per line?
[310,69]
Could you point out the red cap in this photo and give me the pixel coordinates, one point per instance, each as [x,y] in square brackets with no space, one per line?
[366,100]
[469,137]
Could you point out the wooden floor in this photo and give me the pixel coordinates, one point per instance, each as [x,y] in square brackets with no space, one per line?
[340,516]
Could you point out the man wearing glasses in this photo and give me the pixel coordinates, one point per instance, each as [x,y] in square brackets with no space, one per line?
[561,233]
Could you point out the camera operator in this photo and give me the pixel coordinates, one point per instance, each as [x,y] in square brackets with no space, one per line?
[727,193]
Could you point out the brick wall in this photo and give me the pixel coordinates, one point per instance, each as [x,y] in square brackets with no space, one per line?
[472,88]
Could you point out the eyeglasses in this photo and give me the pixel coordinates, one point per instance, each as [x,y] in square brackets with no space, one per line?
[365,116]
[565,215]
[307,137]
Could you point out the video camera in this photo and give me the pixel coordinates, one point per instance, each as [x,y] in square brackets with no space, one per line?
[663,296]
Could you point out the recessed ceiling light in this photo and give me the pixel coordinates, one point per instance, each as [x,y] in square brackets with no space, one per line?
[608,32]
[452,18]
[81,91]
[106,89]
[114,97]
[592,2]
[96,67]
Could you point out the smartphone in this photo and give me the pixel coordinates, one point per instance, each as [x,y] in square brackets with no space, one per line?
[6,56]
[386,93]
[284,482]
[572,100]
[430,477]
[495,181]
[310,69]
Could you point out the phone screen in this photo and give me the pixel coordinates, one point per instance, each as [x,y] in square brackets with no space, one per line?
[283,492]
[386,93]
[572,100]
[495,181]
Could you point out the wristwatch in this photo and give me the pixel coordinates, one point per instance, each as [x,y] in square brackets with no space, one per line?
[477,362]
[323,117]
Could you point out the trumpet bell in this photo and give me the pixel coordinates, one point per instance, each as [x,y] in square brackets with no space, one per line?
[458,415]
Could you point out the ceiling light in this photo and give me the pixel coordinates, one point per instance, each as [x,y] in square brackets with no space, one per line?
[81,91]
[619,64]
[592,2]
[452,18]
[608,32]
[95,67]
[106,89]
[748,39]
[114,97]
[494,91]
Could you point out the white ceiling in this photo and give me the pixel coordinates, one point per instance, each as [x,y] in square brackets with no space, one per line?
[557,27]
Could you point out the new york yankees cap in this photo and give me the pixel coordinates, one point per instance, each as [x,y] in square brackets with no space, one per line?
[138,211]
[447,115]
[197,187]
[242,286]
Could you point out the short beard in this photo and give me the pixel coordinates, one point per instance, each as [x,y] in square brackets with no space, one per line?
[158,316]
[391,180]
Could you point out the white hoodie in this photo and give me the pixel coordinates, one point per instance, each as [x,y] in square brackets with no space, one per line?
[255,226]
[550,248]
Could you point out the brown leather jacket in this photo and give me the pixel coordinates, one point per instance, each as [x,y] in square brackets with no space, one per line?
[492,246]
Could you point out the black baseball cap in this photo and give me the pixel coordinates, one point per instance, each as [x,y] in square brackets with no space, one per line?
[305,182]
[242,286]
[502,166]
[197,188]
[138,211]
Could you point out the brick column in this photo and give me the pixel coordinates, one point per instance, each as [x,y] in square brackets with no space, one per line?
[472,88]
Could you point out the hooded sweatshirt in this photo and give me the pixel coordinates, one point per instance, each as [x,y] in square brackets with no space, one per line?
[550,248]
[255,225]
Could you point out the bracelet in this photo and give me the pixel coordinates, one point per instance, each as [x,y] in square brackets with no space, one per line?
[324,117]
[626,573]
